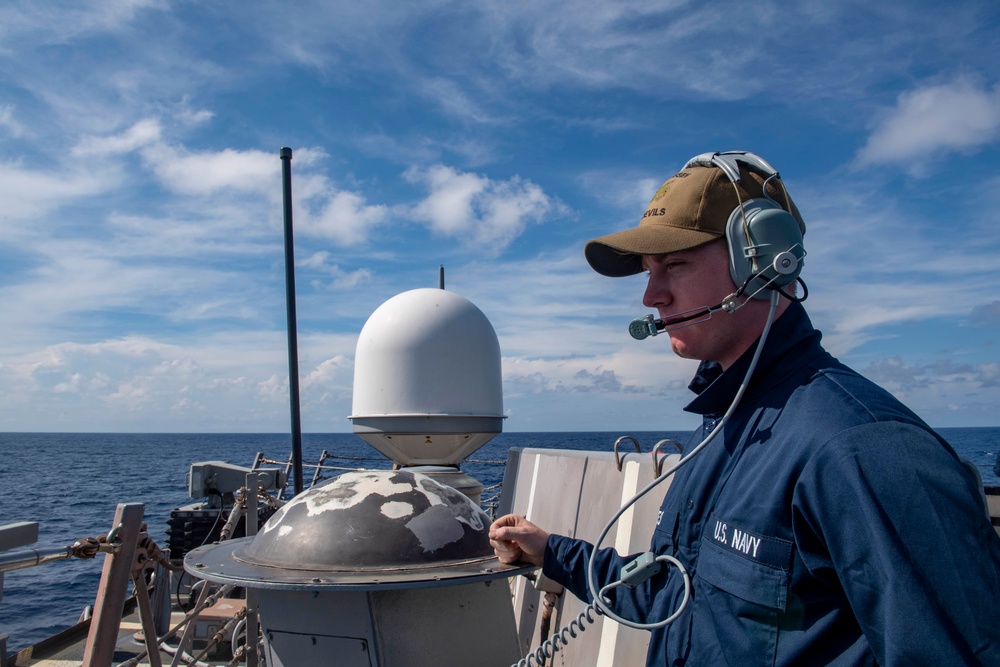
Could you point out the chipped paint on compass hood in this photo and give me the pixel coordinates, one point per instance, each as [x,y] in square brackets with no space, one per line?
[373,520]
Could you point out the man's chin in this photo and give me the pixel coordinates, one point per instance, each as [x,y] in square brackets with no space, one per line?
[680,348]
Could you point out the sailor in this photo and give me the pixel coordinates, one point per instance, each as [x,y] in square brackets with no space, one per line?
[825,523]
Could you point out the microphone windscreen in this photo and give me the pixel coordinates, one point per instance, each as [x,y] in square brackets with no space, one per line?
[639,328]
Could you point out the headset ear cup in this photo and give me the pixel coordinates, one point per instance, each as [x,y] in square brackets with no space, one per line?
[769,242]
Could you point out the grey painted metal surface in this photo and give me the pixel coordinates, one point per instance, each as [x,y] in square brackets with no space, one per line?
[365,530]
[452,625]
[373,569]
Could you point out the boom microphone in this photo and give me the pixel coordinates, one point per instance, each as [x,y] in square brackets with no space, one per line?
[643,327]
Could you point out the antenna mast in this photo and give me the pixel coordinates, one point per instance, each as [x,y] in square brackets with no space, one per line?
[293,337]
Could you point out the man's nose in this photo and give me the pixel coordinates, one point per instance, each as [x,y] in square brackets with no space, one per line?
[657,292]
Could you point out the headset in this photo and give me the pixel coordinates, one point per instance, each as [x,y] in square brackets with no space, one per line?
[764,242]
[764,238]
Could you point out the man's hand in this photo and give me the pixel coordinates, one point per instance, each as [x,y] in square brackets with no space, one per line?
[514,539]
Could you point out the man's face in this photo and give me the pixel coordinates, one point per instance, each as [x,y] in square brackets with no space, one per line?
[693,279]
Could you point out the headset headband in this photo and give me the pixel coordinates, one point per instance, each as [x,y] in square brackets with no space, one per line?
[728,162]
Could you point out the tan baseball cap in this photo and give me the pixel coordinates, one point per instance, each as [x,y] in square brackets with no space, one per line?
[691,208]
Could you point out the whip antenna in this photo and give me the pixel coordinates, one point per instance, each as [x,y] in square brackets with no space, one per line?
[293,337]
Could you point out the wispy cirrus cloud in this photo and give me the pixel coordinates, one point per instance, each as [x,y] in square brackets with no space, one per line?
[143,133]
[30,192]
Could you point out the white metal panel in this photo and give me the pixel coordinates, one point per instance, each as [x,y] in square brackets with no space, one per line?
[575,493]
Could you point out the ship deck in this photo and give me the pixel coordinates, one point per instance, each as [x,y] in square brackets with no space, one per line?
[130,645]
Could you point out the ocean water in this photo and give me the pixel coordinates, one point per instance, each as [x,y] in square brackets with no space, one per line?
[71,484]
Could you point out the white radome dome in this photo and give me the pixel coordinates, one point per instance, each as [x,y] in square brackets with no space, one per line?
[427,379]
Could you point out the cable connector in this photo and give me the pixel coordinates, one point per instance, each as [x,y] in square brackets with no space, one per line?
[640,569]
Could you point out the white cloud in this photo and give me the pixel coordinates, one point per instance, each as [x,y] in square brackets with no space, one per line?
[628,191]
[206,172]
[59,355]
[273,388]
[333,374]
[477,209]
[932,121]
[449,207]
[455,99]
[341,279]
[315,261]
[510,207]
[143,133]
[29,193]
[187,115]
[345,218]
[631,369]
[56,22]
[195,117]
[212,382]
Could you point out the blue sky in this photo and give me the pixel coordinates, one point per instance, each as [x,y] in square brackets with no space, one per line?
[141,236]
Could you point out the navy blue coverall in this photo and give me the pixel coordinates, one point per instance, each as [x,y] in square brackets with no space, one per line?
[826,525]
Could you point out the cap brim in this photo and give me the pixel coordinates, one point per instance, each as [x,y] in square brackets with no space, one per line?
[620,254]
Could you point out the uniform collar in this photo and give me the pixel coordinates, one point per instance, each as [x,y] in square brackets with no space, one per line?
[793,331]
